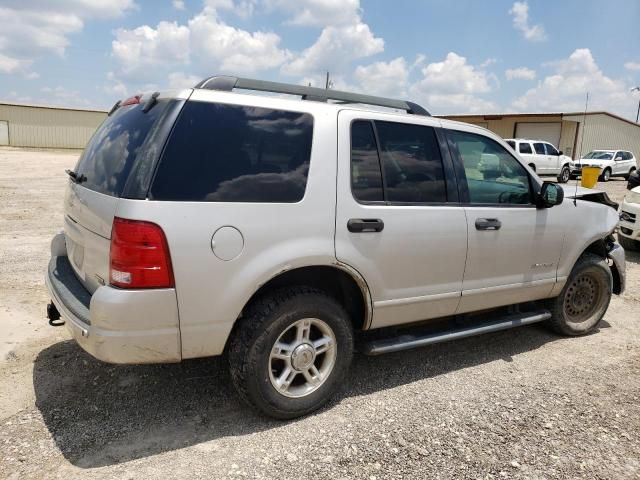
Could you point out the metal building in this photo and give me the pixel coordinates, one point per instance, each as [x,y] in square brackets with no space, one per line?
[601,130]
[23,125]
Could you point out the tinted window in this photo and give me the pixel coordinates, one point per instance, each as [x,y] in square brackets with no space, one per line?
[551,150]
[231,153]
[539,147]
[525,148]
[411,161]
[493,175]
[366,178]
[512,144]
[110,154]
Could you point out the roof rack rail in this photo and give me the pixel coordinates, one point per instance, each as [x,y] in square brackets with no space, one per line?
[227,83]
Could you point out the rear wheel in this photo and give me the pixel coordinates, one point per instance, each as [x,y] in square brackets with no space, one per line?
[584,299]
[629,243]
[565,174]
[633,169]
[291,351]
[606,175]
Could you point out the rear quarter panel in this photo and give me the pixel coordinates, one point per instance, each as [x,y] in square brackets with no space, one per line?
[277,237]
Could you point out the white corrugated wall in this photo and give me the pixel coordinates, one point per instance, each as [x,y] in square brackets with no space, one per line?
[608,133]
[49,127]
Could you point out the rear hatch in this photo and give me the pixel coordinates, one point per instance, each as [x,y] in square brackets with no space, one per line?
[117,162]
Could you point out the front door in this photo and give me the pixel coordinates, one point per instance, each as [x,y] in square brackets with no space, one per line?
[514,248]
[394,221]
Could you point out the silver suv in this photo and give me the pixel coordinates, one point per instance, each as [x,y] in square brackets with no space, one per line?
[282,231]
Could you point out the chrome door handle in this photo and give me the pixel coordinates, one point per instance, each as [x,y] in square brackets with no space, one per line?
[488,224]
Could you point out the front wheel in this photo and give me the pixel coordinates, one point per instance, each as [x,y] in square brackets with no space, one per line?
[291,352]
[584,299]
[565,174]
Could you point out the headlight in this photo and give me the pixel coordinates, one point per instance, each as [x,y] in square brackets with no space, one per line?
[632,197]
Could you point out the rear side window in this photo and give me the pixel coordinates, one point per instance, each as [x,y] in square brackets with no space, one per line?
[539,147]
[233,153]
[366,177]
[110,155]
[525,148]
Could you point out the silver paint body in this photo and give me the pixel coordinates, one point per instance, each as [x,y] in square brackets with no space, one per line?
[428,262]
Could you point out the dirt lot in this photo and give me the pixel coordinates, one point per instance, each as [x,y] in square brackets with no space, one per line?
[521,403]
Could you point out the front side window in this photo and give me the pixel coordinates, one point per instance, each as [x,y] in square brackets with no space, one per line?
[551,150]
[407,157]
[233,153]
[525,148]
[539,147]
[493,175]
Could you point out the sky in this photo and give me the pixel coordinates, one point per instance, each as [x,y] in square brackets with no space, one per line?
[450,56]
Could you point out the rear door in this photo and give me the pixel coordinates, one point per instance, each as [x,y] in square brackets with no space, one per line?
[514,247]
[397,221]
[102,172]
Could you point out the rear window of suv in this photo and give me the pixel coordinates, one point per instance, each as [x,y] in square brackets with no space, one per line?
[233,153]
[110,155]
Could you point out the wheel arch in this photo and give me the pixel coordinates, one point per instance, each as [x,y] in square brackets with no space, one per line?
[599,248]
[339,280]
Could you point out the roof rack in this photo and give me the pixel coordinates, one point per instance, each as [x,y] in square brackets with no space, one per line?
[227,84]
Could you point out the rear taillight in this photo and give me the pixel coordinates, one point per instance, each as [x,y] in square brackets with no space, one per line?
[139,255]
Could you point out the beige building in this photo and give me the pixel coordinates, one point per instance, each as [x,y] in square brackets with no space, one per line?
[24,125]
[601,130]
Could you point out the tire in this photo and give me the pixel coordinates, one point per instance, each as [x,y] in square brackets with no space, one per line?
[289,317]
[532,166]
[584,299]
[606,175]
[627,176]
[565,174]
[629,243]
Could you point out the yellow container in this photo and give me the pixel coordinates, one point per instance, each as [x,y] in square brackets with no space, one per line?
[590,176]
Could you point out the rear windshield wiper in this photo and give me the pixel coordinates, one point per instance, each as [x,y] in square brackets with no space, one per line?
[75,178]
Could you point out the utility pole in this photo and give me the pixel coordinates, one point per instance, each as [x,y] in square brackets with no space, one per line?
[637,89]
[326,83]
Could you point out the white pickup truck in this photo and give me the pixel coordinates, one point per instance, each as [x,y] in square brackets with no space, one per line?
[543,158]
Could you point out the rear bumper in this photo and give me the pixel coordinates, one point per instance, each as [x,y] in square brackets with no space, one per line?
[116,326]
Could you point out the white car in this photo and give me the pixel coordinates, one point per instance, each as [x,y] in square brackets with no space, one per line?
[612,163]
[543,158]
[629,226]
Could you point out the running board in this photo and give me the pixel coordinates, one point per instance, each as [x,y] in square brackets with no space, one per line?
[407,342]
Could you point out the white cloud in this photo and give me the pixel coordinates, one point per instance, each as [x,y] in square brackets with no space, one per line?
[520,13]
[31,28]
[453,85]
[520,73]
[335,49]
[566,87]
[384,78]
[178,4]
[242,8]
[205,44]
[231,49]
[633,66]
[319,12]
[138,49]
[182,80]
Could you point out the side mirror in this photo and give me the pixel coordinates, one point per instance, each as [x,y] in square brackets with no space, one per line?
[551,194]
[560,152]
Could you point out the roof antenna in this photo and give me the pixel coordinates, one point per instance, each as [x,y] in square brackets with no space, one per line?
[584,126]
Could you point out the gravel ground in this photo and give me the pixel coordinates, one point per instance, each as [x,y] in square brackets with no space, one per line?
[517,404]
